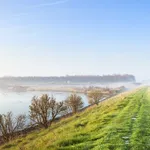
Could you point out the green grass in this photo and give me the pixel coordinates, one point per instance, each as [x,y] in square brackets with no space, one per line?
[120,123]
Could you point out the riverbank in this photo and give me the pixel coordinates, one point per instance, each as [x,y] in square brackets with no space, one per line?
[31,128]
[93,127]
[63,88]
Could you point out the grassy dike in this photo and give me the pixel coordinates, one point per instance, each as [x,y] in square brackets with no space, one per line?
[120,123]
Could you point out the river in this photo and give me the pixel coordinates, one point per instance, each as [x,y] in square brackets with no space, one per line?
[19,103]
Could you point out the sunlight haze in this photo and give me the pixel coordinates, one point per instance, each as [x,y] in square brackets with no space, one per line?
[47,38]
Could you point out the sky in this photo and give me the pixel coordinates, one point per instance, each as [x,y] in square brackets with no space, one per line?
[75,37]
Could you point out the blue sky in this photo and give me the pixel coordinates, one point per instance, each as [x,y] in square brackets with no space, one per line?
[60,37]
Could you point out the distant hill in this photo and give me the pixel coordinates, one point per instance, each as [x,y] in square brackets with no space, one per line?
[73,79]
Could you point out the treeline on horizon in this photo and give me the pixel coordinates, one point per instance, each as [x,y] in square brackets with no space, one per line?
[75,78]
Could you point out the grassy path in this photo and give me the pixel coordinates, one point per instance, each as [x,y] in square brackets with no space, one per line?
[130,129]
[120,123]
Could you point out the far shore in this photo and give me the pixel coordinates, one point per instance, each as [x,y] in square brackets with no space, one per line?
[57,89]
[64,88]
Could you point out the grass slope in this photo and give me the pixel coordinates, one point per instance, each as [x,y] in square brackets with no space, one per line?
[120,123]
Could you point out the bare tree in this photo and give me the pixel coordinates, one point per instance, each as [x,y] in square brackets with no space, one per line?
[45,109]
[10,125]
[74,103]
[95,96]
[56,108]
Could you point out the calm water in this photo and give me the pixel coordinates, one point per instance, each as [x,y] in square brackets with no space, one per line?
[19,102]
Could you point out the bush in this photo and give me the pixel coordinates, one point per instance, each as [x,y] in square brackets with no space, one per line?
[74,103]
[45,109]
[10,125]
[95,96]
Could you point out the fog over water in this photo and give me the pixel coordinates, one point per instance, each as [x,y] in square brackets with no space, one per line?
[18,102]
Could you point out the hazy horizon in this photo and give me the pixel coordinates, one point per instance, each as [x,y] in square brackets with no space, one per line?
[69,37]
